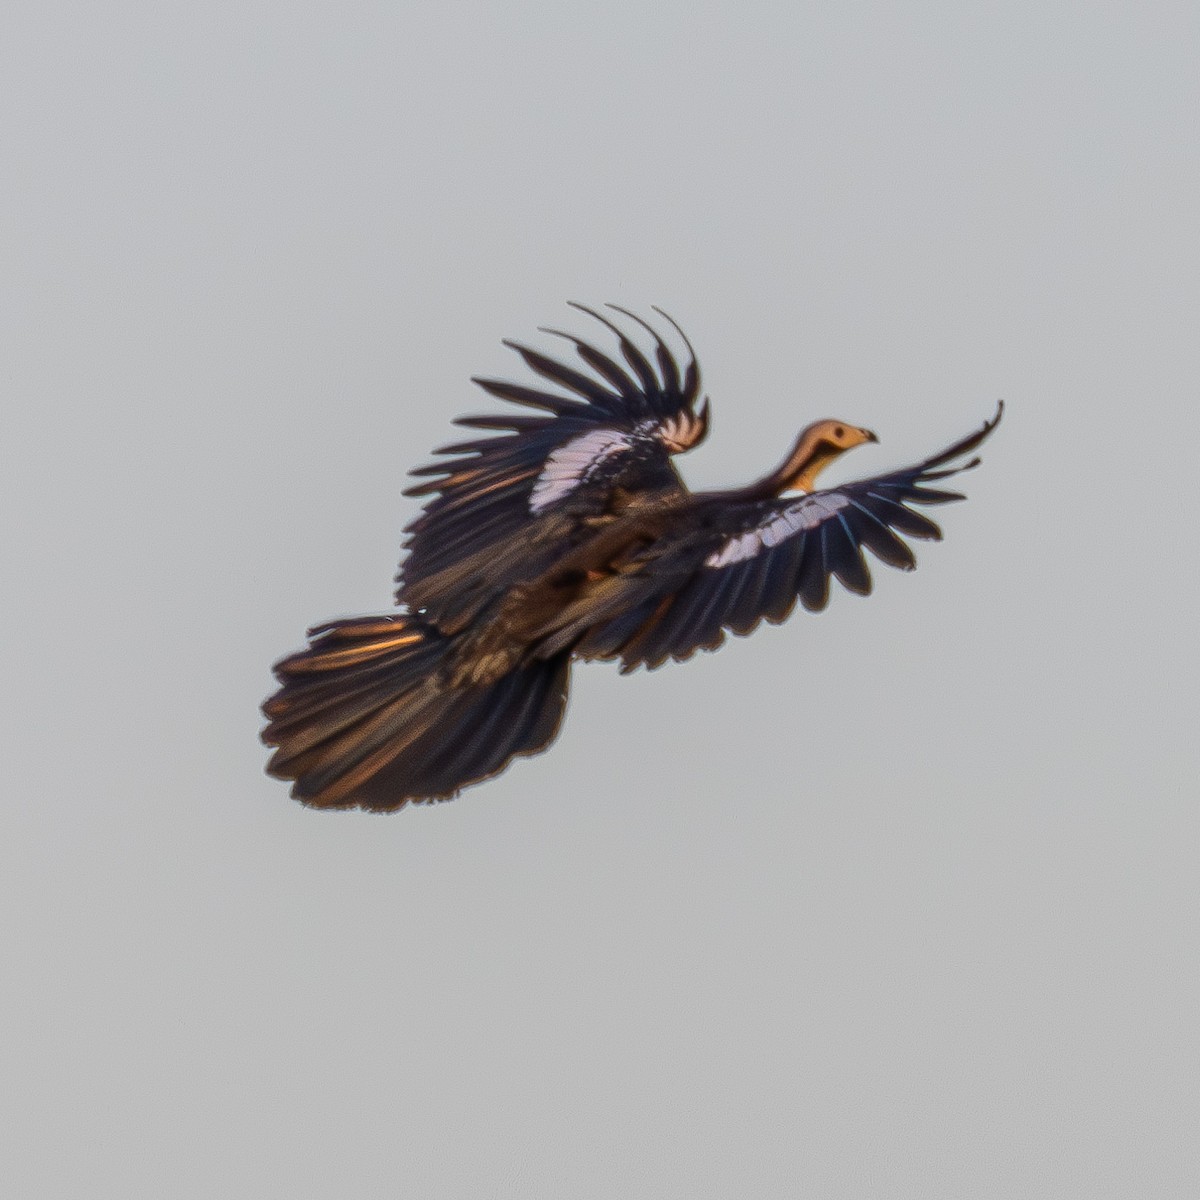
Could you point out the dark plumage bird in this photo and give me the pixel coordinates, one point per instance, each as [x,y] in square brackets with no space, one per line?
[569,534]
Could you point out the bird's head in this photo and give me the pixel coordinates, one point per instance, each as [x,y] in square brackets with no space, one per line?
[816,447]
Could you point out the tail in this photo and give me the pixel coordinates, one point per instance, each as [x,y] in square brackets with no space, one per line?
[366,717]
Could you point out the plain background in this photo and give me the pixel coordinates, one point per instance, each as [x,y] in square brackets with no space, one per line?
[898,901]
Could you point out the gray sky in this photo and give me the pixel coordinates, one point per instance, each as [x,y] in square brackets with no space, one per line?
[898,901]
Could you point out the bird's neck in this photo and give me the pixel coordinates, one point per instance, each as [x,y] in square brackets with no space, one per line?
[798,472]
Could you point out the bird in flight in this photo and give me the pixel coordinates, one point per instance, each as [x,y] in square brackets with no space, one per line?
[566,533]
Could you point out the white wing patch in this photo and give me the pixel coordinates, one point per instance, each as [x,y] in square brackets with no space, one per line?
[807,513]
[573,463]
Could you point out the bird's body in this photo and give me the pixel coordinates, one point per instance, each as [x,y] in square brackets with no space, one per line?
[571,535]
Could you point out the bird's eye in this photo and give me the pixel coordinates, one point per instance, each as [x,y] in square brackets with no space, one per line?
[839,432]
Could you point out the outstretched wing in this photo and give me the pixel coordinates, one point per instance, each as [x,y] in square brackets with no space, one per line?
[755,560]
[505,505]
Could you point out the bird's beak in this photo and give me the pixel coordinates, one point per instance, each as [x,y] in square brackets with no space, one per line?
[869,435]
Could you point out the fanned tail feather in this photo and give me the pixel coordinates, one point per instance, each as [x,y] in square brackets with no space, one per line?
[367,716]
